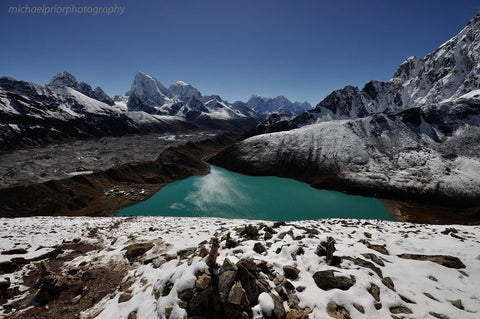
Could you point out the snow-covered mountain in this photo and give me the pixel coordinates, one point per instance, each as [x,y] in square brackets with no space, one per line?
[266,106]
[183,91]
[65,79]
[413,135]
[443,75]
[34,114]
[180,99]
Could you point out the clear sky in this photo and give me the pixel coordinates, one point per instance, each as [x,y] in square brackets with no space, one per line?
[302,49]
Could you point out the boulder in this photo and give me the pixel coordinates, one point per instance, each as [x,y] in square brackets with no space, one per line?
[291,272]
[126,296]
[337,311]
[259,248]
[136,250]
[327,280]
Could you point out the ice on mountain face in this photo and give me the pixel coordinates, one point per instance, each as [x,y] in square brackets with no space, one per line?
[120,102]
[46,113]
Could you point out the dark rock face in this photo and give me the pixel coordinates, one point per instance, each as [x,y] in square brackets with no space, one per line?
[327,280]
[291,272]
[366,264]
[259,248]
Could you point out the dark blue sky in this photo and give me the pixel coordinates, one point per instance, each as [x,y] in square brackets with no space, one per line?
[302,49]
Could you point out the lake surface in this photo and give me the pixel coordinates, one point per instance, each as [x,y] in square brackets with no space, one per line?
[222,193]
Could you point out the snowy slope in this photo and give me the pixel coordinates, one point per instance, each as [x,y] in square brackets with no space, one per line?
[65,79]
[424,151]
[443,75]
[411,135]
[381,269]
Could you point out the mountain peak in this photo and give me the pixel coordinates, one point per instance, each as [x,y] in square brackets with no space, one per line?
[144,84]
[265,106]
[64,79]
[183,91]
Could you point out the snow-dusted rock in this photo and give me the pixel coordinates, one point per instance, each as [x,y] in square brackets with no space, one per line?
[170,274]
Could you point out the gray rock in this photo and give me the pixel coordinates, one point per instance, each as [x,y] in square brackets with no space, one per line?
[185,253]
[212,256]
[400,309]
[203,281]
[374,290]
[278,309]
[388,282]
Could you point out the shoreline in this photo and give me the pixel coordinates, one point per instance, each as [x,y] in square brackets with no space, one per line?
[86,195]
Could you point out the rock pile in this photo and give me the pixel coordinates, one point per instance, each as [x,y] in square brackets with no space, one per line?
[231,290]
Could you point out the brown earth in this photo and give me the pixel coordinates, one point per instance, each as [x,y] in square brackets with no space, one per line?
[85,194]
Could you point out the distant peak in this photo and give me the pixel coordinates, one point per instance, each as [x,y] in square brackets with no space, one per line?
[148,86]
[180,83]
[140,75]
[64,79]
[184,91]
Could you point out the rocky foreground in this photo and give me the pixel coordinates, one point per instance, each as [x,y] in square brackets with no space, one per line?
[161,267]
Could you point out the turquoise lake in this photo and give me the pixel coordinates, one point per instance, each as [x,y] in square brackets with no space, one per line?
[225,194]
